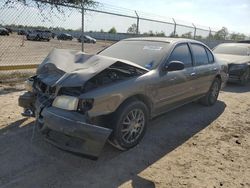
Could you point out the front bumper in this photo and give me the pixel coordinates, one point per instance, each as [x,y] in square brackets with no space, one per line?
[71,132]
[67,130]
[235,72]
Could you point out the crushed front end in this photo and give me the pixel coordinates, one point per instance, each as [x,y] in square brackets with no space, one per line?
[68,129]
[70,100]
[237,71]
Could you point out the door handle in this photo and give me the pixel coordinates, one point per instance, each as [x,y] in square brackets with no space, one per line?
[193,74]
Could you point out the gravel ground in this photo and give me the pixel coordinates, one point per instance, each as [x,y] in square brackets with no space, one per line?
[193,146]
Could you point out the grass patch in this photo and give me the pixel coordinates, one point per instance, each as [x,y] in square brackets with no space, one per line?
[15,76]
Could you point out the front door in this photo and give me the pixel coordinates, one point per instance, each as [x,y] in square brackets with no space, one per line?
[175,87]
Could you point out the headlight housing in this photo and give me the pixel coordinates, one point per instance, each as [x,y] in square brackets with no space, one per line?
[85,105]
[66,102]
[29,85]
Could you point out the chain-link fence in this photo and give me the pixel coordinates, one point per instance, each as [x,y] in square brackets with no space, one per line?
[34,31]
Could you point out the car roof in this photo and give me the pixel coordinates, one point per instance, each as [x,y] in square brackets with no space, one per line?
[235,44]
[162,39]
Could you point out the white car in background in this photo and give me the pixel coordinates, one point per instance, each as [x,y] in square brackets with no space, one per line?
[237,55]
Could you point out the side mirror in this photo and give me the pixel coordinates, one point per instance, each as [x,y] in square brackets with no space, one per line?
[174,66]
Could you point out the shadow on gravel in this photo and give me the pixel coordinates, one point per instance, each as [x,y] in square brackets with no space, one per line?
[10,89]
[27,162]
[237,88]
[13,125]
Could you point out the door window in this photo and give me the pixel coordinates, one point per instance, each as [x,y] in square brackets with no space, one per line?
[200,54]
[210,56]
[181,53]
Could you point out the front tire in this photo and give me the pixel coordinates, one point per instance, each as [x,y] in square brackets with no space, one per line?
[129,124]
[212,95]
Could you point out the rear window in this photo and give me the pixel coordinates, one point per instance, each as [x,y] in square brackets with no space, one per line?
[210,56]
[144,53]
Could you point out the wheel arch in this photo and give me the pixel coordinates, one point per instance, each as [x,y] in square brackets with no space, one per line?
[218,76]
[140,97]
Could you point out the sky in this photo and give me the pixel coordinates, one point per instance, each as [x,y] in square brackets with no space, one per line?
[233,14]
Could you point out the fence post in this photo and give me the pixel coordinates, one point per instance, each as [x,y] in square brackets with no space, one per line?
[82,40]
[174,26]
[137,24]
[210,33]
[194,30]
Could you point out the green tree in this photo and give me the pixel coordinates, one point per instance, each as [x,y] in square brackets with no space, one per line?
[198,37]
[54,5]
[173,34]
[132,29]
[221,34]
[160,34]
[150,33]
[87,3]
[187,35]
[112,30]
[237,36]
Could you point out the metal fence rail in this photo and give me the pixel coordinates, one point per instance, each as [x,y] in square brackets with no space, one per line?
[18,53]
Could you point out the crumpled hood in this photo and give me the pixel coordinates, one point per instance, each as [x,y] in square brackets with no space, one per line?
[73,68]
[236,59]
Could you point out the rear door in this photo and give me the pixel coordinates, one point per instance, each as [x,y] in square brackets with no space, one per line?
[175,87]
[205,68]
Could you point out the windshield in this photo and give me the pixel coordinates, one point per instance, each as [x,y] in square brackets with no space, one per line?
[145,53]
[232,50]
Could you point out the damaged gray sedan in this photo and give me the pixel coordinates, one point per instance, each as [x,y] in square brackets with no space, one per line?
[80,101]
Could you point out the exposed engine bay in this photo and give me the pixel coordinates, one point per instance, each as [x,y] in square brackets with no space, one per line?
[115,73]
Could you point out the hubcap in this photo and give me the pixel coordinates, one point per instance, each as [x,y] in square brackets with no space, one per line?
[132,125]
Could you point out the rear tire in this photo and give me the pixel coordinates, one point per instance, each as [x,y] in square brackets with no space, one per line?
[211,97]
[129,124]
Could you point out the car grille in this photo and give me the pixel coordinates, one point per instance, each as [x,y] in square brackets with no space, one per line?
[42,88]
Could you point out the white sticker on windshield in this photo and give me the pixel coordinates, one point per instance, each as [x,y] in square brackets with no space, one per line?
[156,48]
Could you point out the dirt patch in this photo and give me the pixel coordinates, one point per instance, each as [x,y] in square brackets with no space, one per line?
[193,146]
[12,52]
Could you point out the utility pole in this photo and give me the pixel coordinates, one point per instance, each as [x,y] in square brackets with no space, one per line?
[174,27]
[210,34]
[194,30]
[82,39]
[137,24]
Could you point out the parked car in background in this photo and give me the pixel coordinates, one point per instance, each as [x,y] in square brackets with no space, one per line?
[81,100]
[9,29]
[53,35]
[4,31]
[86,39]
[39,35]
[237,55]
[64,36]
[21,32]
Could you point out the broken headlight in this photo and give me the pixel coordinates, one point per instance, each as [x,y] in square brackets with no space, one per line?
[66,102]
[85,105]
[29,85]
